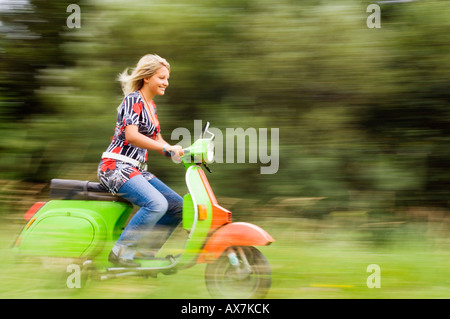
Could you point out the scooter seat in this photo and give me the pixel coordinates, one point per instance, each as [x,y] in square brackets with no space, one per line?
[81,190]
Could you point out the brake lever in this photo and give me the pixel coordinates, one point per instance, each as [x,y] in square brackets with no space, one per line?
[207,167]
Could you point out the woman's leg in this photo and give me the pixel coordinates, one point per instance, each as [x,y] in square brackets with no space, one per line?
[167,224]
[153,205]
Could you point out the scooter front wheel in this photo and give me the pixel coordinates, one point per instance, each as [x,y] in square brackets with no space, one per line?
[239,273]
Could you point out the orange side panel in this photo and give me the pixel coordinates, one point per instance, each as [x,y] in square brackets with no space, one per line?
[221,215]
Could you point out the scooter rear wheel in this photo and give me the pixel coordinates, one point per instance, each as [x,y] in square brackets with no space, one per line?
[225,281]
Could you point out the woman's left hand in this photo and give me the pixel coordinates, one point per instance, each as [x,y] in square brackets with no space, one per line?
[175,151]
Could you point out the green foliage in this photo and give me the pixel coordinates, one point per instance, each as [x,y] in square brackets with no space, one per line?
[357,108]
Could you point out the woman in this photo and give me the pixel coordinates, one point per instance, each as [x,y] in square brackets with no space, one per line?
[122,169]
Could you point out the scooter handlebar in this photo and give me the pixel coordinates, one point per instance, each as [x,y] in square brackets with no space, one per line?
[172,153]
[169,153]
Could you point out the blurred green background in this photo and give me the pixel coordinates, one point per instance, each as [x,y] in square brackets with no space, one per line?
[362,113]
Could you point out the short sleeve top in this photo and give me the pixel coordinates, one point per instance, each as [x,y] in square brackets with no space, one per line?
[132,111]
[113,173]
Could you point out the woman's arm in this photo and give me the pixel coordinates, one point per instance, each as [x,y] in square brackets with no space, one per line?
[133,136]
[160,139]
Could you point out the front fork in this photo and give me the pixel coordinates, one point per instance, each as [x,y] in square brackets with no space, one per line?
[240,265]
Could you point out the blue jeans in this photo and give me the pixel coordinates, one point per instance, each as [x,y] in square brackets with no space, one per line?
[160,207]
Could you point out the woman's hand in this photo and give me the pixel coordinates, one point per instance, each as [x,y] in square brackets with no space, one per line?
[176,151]
[133,136]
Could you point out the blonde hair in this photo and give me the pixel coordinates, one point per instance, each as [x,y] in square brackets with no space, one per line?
[145,68]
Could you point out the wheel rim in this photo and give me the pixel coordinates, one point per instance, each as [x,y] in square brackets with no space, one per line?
[227,281]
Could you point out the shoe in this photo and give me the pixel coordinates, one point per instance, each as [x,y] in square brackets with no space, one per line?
[146,254]
[116,260]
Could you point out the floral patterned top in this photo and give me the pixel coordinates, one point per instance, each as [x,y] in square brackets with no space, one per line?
[114,173]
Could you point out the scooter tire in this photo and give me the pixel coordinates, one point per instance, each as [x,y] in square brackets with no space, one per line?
[223,283]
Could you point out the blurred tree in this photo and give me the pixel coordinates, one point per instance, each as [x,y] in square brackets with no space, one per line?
[30,41]
[411,120]
[358,109]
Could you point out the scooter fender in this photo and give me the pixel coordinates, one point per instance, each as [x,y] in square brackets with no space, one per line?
[233,234]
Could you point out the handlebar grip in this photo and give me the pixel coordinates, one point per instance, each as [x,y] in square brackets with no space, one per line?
[169,153]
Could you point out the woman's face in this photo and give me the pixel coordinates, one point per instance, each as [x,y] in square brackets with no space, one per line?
[158,82]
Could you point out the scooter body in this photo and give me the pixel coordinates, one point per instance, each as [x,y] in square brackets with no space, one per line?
[75,229]
[83,221]
[83,228]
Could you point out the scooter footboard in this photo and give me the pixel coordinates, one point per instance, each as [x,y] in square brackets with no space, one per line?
[233,234]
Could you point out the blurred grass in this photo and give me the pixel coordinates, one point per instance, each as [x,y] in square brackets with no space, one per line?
[311,258]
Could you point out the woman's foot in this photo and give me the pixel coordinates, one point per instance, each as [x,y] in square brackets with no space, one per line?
[148,254]
[123,256]
[124,262]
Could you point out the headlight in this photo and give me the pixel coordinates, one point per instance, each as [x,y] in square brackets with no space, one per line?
[201,151]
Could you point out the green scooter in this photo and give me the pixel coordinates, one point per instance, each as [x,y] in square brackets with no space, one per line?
[82,221]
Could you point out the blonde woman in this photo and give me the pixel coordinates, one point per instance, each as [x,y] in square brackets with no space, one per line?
[122,169]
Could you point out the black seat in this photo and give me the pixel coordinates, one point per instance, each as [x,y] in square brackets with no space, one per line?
[81,190]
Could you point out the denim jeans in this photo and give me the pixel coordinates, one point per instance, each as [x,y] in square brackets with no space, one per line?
[160,209]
